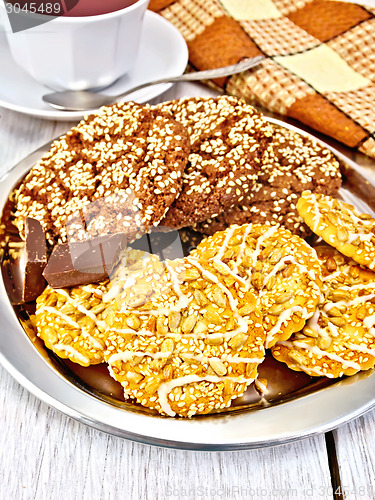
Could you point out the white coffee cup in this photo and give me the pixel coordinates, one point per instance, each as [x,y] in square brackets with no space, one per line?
[78,53]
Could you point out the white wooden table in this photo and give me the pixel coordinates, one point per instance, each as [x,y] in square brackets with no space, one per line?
[46,455]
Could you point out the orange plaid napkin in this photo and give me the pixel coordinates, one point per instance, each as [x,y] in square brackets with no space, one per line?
[320,58]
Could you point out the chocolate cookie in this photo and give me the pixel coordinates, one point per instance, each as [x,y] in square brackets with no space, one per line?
[118,170]
[291,164]
[228,138]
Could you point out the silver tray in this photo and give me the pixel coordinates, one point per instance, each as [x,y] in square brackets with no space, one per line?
[303,416]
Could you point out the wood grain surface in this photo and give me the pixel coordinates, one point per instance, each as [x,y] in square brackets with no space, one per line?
[46,455]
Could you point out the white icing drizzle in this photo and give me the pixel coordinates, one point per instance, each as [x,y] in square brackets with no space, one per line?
[166,387]
[302,268]
[332,328]
[284,316]
[73,352]
[229,271]
[236,359]
[362,237]
[95,342]
[369,322]
[82,309]
[268,234]
[311,370]
[226,357]
[65,317]
[353,302]
[153,312]
[358,220]
[359,286]
[113,292]
[183,300]
[198,336]
[224,246]
[313,322]
[317,215]
[278,267]
[331,276]
[95,291]
[242,247]
[128,355]
[233,303]
[355,220]
[319,352]
[361,348]
[130,331]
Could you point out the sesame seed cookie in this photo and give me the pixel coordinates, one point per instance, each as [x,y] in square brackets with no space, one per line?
[340,225]
[228,138]
[72,322]
[117,170]
[339,339]
[279,267]
[292,164]
[193,347]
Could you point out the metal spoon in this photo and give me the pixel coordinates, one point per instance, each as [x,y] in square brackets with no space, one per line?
[82,100]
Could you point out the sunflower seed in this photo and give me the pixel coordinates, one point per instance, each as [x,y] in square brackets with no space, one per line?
[218,366]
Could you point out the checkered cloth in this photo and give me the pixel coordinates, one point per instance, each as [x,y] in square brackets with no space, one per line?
[320,58]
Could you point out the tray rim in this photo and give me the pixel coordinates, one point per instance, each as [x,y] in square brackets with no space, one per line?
[304,417]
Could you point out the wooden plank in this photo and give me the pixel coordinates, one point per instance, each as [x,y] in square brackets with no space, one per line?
[355,444]
[44,454]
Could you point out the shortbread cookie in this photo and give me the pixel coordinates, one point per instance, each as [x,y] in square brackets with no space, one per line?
[228,138]
[118,170]
[341,226]
[279,267]
[192,347]
[339,339]
[72,322]
[292,164]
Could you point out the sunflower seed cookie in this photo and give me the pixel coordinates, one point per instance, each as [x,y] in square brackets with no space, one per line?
[339,339]
[279,267]
[193,347]
[116,171]
[72,321]
[340,225]
[228,138]
[291,164]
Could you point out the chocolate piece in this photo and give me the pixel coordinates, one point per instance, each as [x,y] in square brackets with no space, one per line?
[36,260]
[24,264]
[13,279]
[84,262]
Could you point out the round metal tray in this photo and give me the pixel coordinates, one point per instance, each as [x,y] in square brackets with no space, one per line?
[306,415]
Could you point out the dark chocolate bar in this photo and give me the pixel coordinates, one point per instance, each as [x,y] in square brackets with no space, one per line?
[36,260]
[84,262]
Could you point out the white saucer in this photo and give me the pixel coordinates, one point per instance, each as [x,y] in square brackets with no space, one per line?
[163,52]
